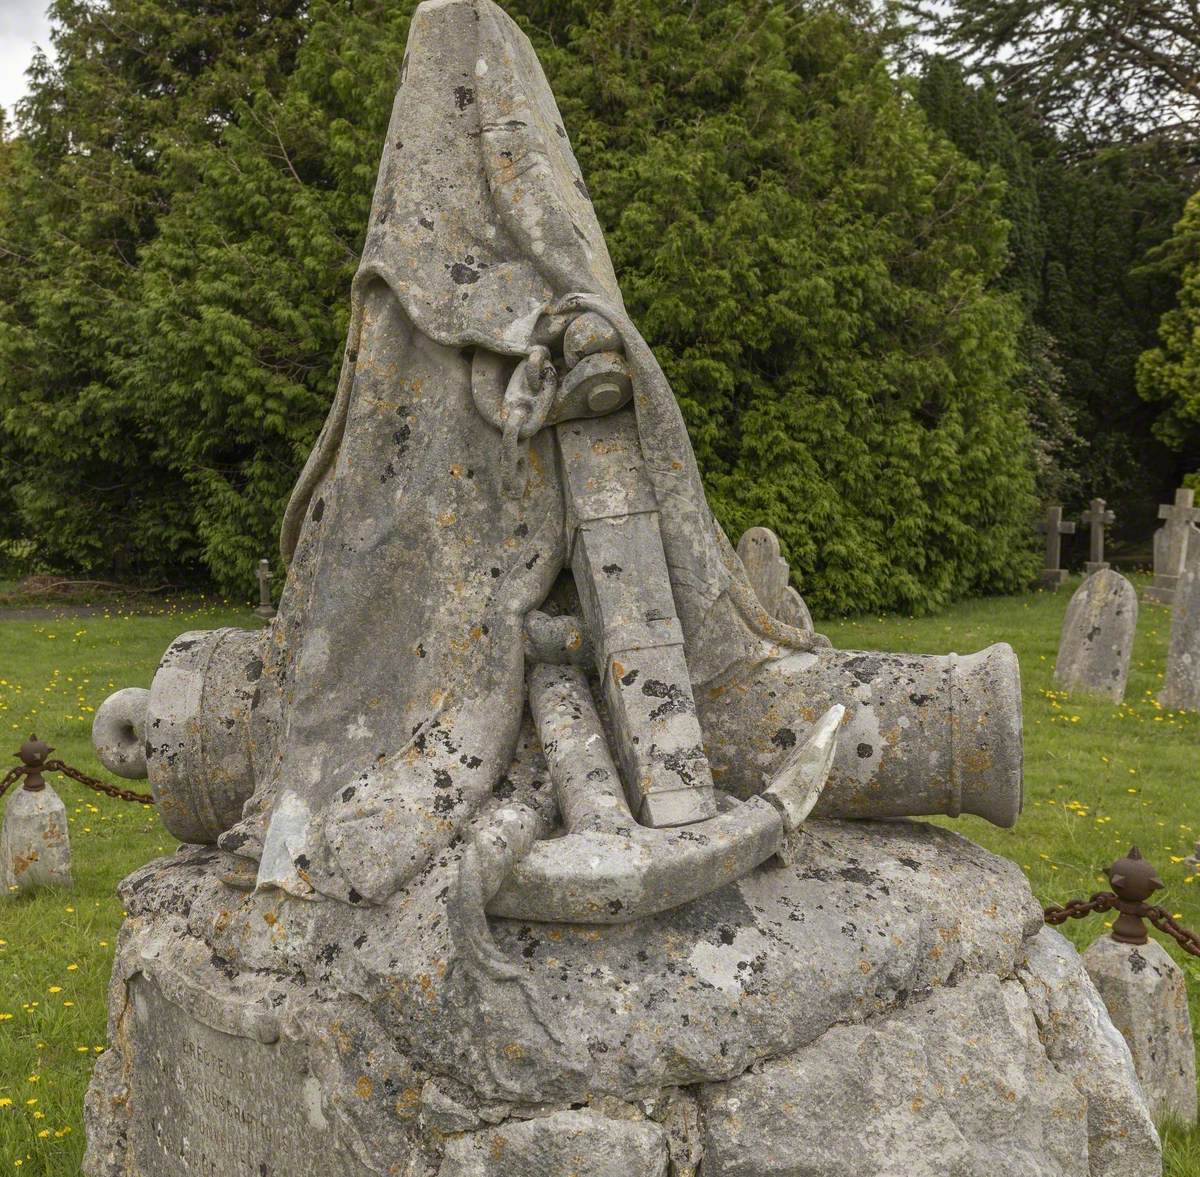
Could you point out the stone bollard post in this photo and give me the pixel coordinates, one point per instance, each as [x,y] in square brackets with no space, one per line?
[1145,993]
[35,850]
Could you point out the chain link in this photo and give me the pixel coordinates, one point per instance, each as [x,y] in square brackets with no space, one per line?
[93,783]
[10,778]
[1076,909]
[1165,922]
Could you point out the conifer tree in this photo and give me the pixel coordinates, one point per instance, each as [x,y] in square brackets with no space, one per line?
[816,268]
[1169,374]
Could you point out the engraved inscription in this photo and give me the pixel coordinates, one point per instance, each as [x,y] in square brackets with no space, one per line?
[212,1104]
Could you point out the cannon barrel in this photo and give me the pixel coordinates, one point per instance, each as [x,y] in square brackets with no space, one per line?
[923,734]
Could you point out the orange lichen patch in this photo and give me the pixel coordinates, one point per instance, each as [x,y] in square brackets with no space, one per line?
[447,519]
[497,1147]
[22,862]
[269,918]
[364,1087]
[455,471]
[618,669]
[409,1102]
[917,1104]
[864,966]
[514,1051]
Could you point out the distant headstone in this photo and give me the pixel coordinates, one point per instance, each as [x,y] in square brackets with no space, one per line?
[1097,518]
[265,610]
[769,575]
[1146,996]
[1172,543]
[1054,528]
[1097,636]
[1181,690]
[35,850]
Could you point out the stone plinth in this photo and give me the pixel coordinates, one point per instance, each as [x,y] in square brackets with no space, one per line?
[888,1004]
[1097,637]
[1145,993]
[35,850]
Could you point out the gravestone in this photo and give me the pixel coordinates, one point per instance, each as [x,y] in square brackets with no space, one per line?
[265,609]
[770,578]
[525,834]
[1054,528]
[1097,637]
[1181,686]
[1172,542]
[1097,517]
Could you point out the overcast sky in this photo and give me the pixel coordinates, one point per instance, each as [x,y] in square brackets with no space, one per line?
[23,24]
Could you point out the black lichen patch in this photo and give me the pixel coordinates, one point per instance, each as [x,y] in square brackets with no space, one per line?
[630,678]
[675,699]
[463,274]
[464,96]
[865,751]
[784,738]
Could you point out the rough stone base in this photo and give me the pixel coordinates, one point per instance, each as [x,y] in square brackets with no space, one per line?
[889,1004]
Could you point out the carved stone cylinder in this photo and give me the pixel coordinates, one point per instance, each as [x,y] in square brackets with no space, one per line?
[922,734]
[197,730]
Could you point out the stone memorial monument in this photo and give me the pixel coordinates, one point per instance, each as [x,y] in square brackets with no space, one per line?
[1097,517]
[1172,542]
[770,577]
[1097,637]
[1181,687]
[518,844]
[1054,528]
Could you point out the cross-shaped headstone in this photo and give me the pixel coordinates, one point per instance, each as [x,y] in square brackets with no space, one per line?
[1180,519]
[265,609]
[1054,528]
[1097,519]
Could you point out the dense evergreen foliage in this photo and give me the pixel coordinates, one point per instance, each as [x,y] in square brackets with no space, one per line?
[1170,373]
[822,275]
[1083,231]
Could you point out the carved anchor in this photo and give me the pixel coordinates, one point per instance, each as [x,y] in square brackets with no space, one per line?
[663,837]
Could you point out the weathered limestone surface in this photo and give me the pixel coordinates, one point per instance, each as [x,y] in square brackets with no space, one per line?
[894,954]
[769,575]
[500,855]
[1181,688]
[1145,993]
[1097,636]
[1082,1042]
[560,1145]
[35,849]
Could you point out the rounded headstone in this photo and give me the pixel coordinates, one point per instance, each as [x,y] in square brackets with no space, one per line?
[1097,637]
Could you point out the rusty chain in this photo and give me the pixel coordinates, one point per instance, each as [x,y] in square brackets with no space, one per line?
[33,756]
[10,778]
[93,783]
[1134,880]
[1165,922]
[1076,909]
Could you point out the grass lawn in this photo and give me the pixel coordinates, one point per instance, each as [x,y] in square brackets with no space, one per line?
[1098,778]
